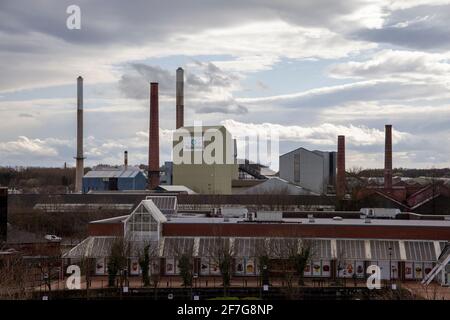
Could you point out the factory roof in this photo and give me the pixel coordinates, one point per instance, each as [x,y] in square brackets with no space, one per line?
[317,152]
[129,172]
[319,221]
[323,248]
[176,188]
[112,220]
[275,185]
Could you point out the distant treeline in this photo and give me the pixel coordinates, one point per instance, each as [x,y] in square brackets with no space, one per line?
[410,173]
[38,180]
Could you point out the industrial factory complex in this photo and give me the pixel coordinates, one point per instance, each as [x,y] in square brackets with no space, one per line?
[208,197]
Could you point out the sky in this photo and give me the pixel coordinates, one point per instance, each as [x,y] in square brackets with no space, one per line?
[307,70]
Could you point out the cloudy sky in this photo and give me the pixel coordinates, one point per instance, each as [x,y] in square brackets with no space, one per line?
[309,70]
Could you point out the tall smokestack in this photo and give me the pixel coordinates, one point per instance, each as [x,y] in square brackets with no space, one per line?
[79,158]
[125,159]
[180,97]
[340,179]
[3,215]
[153,154]
[388,157]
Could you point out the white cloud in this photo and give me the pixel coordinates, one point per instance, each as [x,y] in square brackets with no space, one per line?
[397,64]
[324,134]
[27,147]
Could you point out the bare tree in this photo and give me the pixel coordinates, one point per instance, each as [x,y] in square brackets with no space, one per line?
[282,250]
[222,254]
[13,278]
[300,258]
[118,260]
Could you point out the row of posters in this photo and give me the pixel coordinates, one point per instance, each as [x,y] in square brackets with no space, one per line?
[318,269]
[101,267]
[248,266]
[417,270]
[350,269]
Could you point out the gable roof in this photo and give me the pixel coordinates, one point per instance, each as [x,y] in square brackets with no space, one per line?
[129,172]
[152,209]
[276,184]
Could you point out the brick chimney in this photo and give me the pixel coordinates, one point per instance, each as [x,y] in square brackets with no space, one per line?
[180,98]
[388,157]
[340,179]
[153,151]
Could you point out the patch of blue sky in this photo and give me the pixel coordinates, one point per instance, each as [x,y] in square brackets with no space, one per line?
[289,76]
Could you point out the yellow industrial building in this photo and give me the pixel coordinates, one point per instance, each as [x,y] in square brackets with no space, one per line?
[204,159]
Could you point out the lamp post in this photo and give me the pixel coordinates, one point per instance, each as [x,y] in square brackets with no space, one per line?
[390,267]
[264,280]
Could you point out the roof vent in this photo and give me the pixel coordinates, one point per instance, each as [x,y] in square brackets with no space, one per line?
[311,218]
[226,219]
[367,220]
[337,218]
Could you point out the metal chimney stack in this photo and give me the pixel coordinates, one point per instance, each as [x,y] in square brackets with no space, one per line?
[340,181]
[79,158]
[388,157]
[153,153]
[125,159]
[3,215]
[180,98]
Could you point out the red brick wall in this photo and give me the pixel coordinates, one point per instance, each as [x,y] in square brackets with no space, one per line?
[301,230]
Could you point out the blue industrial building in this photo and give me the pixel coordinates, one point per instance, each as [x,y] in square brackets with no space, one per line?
[114,179]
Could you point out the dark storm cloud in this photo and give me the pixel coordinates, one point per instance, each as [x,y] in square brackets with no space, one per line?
[135,81]
[117,21]
[198,84]
[420,28]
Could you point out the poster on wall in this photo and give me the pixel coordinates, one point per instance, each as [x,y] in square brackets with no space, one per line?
[204,266]
[134,267]
[308,270]
[100,266]
[177,266]
[418,270]
[214,268]
[316,268]
[359,269]
[170,266]
[347,269]
[394,270]
[326,268]
[249,267]
[154,267]
[427,267]
[256,266]
[409,270]
[239,266]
